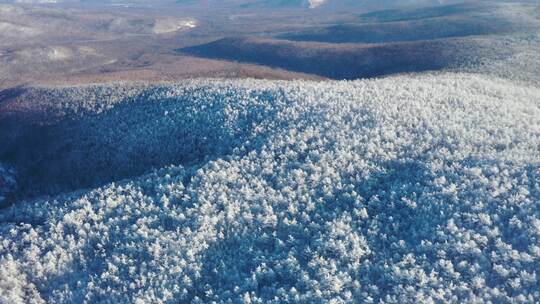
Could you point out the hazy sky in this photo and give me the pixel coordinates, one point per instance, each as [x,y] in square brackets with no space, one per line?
[271,3]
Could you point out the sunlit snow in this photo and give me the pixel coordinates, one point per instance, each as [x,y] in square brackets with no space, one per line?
[408,189]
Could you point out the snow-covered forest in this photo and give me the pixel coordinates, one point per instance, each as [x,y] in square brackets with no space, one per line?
[405,189]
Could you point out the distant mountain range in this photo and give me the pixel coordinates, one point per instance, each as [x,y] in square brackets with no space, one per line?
[372,4]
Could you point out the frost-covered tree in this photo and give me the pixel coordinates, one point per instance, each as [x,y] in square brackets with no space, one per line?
[406,189]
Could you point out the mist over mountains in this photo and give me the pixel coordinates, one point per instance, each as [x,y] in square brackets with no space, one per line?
[368,4]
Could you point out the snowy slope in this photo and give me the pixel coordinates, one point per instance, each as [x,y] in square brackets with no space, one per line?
[402,190]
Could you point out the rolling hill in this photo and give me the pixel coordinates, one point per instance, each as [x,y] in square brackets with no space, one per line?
[388,42]
[415,178]
[403,189]
[350,61]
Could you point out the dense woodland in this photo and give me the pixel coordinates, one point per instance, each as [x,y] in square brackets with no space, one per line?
[120,182]
[399,190]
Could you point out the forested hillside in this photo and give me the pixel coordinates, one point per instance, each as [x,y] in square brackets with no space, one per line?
[405,189]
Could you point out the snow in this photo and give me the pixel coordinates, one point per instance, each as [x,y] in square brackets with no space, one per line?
[315,3]
[170,25]
[407,189]
[11,30]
